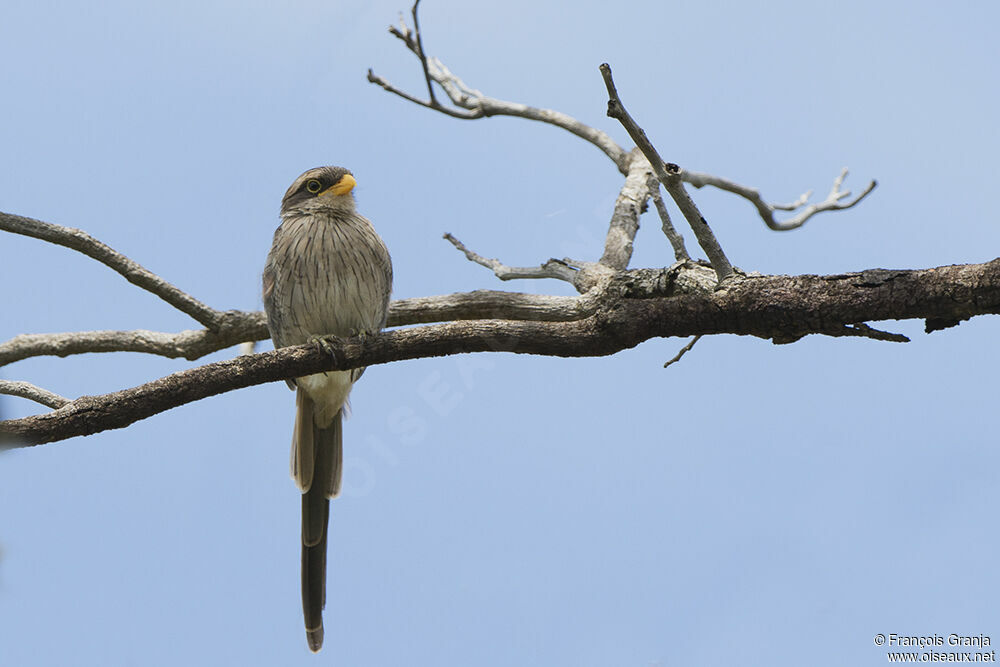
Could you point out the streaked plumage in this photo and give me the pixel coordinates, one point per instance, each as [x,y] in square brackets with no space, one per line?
[328,274]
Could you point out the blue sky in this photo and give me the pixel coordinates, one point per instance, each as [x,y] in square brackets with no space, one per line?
[754,504]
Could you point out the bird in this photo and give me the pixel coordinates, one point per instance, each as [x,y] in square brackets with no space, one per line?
[328,274]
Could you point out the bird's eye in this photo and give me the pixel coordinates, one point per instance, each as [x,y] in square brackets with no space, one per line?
[313,186]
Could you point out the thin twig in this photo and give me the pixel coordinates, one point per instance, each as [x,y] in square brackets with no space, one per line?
[864,331]
[684,350]
[676,240]
[420,52]
[32,393]
[553,268]
[669,176]
[80,241]
[856,330]
[474,104]
[435,105]
[833,201]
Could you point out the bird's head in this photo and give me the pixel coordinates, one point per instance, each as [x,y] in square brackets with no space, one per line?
[321,188]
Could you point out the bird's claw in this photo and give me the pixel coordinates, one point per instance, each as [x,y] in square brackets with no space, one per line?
[325,344]
[362,335]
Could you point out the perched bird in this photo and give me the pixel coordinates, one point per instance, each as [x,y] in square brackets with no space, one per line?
[328,274]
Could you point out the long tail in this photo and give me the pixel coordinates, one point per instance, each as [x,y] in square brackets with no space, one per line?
[327,457]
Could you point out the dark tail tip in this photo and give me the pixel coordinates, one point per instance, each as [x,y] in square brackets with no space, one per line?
[315,639]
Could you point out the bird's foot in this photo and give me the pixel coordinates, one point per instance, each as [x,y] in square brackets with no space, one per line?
[362,335]
[325,344]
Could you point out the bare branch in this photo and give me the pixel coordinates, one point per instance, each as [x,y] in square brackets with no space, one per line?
[420,51]
[629,206]
[681,278]
[553,268]
[252,326]
[32,393]
[473,104]
[490,304]
[833,201]
[773,307]
[676,240]
[864,331]
[669,176]
[134,273]
[684,350]
[434,104]
[857,330]
[185,344]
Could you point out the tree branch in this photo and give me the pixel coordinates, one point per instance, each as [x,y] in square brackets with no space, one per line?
[773,307]
[622,228]
[492,304]
[857,330]
[252,326]
[32,393]
[862,330]
[189,344]
[420,51]
[80,241]
[553,268]
[676,240]
[629,206]
[669,176]
[684,350]
[474,104]
[766,210]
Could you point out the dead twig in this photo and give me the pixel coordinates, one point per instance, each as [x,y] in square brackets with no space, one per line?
[833,202]
[669,176]
[676,240]
[83,242]
[684,350]
[472,104]
[553,268]
[32,393]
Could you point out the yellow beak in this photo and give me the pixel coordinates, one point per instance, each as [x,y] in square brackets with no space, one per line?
[343,186]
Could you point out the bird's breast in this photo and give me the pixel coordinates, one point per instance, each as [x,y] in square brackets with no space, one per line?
[329,277]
